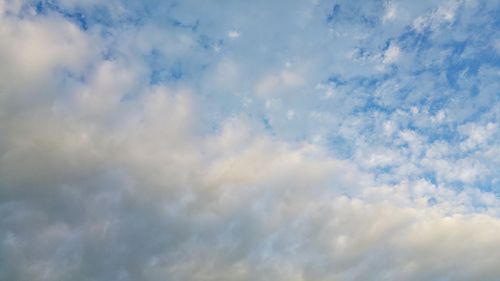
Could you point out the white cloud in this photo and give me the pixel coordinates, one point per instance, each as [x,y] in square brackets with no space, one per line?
[476,134]
[442,15]
[106,176]
[233,34]
[34,48]
[390,12]
[278,82]
[391,54]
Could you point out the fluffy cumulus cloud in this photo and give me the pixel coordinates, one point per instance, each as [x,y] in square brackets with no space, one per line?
[249,140]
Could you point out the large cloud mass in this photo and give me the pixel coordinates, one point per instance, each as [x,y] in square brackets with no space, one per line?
[195,140]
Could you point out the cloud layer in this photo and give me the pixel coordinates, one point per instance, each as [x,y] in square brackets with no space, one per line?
[263,140]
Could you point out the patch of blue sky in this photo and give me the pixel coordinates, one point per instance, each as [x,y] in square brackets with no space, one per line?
[413,40]
[165,76]
[366,14]
[370,105]
[162,69]
[189,26]
[76,16]
[208,43]
[431,177]
[340,146]
[444,132]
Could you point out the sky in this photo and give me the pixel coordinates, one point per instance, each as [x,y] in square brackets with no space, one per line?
[300,140]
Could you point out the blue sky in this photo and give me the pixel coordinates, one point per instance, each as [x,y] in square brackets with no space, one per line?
[249,140]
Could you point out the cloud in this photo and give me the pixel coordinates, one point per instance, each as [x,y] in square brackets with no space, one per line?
[233,34]
[390,13]
[391,54]
[132,149]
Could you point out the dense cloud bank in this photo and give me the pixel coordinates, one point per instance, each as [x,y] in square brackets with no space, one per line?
[307,140]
